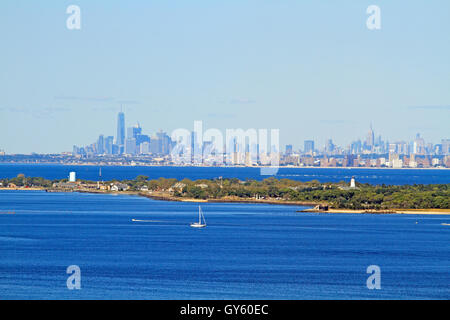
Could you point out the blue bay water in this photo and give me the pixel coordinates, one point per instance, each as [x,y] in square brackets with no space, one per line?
[372,176]
[248,251]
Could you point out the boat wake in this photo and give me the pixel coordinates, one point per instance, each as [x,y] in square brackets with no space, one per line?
[137,220]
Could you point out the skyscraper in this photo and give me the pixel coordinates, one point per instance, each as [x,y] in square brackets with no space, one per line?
[145,148]
[419,145]
[109,141]
[155,145]
[165,142]
[289,149]
[309,146]
[141,138]
[130,147]
[445,146]
[133,132]
[120,138]
[101,144]
[370,138]
[329,146]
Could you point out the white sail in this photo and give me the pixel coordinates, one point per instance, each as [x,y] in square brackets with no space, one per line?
[201,220]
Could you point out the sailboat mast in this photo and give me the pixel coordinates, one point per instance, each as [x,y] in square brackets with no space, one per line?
[199,216]
[202,218]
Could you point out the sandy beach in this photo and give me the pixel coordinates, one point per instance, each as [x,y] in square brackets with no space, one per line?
[389,211]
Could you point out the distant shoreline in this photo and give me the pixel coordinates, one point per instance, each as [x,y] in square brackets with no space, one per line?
[301,203]
[204,166]
[388,211]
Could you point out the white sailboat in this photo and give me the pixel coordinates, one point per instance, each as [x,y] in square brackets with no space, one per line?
[201,220]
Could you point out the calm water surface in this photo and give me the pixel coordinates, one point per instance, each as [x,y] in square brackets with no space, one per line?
[373,176]
[248,251]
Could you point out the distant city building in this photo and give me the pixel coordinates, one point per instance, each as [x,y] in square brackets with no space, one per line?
[133,132]
[356,147]
[141,138]
[115,149]
[395,161]
[165,141]
[109,141]
[145,148]
[154,145]
[419,145]
[130,146]
[374,152]
[329,147]
[445,146]
[370,139]
[289,150]
[101,145]
[308,146]
[120,138]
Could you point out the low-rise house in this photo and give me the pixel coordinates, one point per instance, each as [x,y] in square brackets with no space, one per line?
[89,186]
[176,187]
[65,185]
[179,185]
[119,187]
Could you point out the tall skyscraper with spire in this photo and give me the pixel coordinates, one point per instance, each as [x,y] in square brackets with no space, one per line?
[120,138]
[370,138]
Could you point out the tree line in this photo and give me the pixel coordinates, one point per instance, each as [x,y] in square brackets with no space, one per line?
[336,195]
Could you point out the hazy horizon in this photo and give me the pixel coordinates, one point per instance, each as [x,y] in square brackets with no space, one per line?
[311,69]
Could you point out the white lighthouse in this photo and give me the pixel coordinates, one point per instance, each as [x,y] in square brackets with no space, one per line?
[352,183]
[72,177]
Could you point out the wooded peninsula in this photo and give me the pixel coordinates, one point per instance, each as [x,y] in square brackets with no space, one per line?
[283,191]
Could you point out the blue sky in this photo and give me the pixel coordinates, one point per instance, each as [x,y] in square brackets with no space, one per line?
[309,68]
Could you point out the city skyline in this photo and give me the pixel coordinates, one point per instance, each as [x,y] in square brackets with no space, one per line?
[357,145]
[243,148]
[135,142]
[312,70]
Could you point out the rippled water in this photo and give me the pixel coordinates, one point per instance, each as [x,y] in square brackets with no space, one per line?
[248,251]
[373,176]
